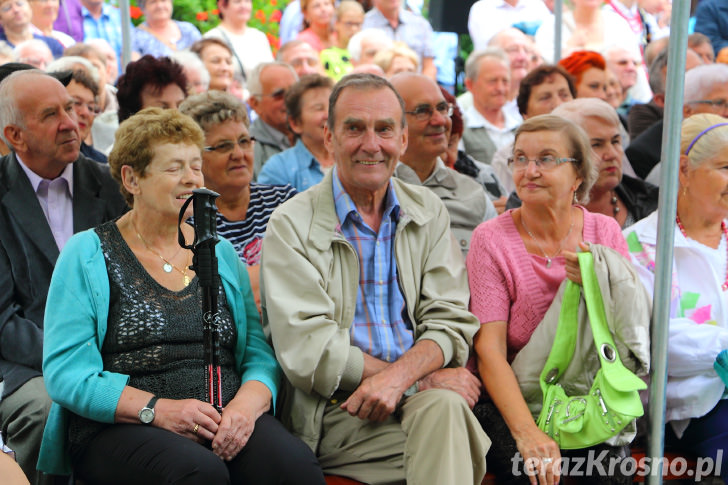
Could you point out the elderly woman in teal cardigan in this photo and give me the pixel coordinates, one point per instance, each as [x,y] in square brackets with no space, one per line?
[123,354]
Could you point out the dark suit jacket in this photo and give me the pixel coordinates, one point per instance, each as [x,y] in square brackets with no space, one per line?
[28,254]
[644,152]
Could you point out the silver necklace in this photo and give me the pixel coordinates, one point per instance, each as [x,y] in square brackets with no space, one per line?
[561,246]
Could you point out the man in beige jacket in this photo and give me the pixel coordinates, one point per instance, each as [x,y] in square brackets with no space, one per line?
[365,297]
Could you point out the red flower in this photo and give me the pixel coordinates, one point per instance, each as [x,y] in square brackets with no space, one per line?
[135,12]
[202,16]
[276,15]
[215,12]
[260,15]
[273,2]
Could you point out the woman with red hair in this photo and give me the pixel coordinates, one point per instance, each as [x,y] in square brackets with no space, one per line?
[589,70]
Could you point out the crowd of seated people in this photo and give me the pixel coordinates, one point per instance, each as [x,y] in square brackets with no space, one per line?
[387,249]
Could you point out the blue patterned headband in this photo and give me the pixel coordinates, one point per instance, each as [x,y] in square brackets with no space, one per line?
[695,140]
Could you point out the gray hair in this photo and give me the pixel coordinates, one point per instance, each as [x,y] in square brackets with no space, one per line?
[254,86]
[354,46]
[578,110]
[656,76]
[705,144]
[10,113]
[190,60]
[32,43]
[213,108]
[71,63]
[472,65]
[361,82]
[700,80]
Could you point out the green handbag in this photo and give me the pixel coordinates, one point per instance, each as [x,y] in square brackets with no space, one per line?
[613,401]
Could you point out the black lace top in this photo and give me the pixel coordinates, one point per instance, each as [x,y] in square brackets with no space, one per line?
[154,335]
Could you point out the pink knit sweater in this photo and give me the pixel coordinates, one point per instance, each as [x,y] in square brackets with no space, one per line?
[509,284]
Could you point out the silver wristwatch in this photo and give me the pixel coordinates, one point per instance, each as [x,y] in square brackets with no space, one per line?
[146,414]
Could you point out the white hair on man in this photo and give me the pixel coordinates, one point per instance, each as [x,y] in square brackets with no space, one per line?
[34,52]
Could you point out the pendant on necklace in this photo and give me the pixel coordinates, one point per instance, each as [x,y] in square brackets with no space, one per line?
[167,267]
[187,280]
[548,262]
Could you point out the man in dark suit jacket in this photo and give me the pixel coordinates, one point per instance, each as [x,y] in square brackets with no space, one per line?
[47,193]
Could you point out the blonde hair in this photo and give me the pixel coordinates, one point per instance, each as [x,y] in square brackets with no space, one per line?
[701,139]
[385,57]
[138,136]
[581,150]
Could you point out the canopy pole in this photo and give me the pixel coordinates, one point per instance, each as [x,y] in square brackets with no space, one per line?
[125,34]
[558,17]
[677,49]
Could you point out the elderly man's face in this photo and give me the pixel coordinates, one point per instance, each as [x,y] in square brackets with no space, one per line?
[716,102]
[50,138]
[516,45]
[490,88]
[270,104]
[303,59]
[35,55]
[625,66]
[427,135]
[369,50]
[14,14]
[367,139]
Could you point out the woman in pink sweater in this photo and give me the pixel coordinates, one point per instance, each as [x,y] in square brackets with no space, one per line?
[515,265]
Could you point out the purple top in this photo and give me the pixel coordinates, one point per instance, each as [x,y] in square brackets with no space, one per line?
[70,20]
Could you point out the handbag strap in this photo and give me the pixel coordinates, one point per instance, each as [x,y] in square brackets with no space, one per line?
[564,344]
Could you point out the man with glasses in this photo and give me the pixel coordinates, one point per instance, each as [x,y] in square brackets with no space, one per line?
[365,297]
[428,127]
[706,91]
[268,84]
[15,18]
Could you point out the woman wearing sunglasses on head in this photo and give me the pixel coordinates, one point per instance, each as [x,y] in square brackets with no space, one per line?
[227,164]
[516,264]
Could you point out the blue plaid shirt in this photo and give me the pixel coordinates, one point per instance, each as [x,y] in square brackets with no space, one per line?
[381,327]
[107,27]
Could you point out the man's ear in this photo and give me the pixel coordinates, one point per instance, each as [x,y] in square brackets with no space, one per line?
[328,139]
[14,135]
[253,101]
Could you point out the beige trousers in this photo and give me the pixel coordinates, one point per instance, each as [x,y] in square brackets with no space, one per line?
[433,438]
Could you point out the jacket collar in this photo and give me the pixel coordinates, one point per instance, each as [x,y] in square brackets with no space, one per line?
[441,176]
[325,222]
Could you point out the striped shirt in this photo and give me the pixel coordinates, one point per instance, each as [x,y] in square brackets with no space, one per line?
[247,235]
[381,327]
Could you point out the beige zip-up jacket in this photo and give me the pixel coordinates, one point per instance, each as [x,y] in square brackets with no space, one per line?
[309,282]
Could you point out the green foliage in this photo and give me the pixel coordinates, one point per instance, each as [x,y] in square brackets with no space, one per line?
[203,14]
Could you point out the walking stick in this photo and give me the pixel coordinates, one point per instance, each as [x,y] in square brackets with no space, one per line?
[204,263]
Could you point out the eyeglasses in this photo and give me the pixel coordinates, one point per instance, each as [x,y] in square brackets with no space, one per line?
[718,103]
[277,95]
[8,6]
[246,144]
[425,111]
[91,107]
[544,162]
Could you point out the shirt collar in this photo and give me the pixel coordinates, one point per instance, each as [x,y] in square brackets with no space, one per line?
[345,207]
[474,119]
[36,179]
[86,13]
[306,158]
